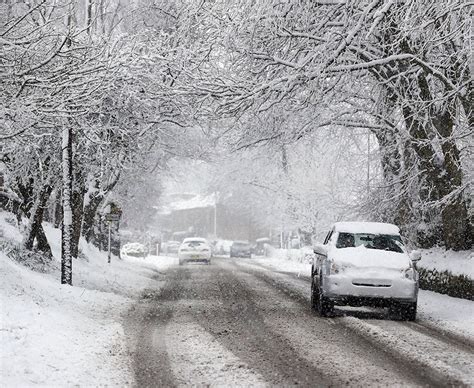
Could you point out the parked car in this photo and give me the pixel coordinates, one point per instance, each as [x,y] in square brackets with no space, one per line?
[240,249]
[134,249]
[364,263]
[194,249]
[260,246]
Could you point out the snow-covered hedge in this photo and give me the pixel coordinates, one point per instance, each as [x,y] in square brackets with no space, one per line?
[445,282]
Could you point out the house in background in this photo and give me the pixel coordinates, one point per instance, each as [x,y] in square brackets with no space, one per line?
[197,215]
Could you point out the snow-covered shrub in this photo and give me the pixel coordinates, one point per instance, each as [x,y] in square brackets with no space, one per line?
[445,282]
[35,260]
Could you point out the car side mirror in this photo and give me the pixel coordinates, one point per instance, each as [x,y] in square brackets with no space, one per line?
[320,249]
[415,256]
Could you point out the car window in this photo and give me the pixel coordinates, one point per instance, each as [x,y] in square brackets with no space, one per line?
[382,242]
[345,240]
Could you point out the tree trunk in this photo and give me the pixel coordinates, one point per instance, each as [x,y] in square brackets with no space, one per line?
[77,210]
[35,229]
[58,209]
[426,158]
[456,228]
[92,204]
[90,211]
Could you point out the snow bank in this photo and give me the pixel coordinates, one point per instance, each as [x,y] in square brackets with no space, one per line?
[451,314]
[59,335]
[56,335]
[8,229]
[458,263]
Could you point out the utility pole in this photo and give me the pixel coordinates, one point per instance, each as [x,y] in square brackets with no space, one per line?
[109,255]
[368,163]
[66,230]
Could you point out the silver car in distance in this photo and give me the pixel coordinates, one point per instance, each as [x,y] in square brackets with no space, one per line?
[194,249]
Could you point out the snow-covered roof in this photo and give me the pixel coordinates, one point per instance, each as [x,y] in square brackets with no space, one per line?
[198,201]
[367,227]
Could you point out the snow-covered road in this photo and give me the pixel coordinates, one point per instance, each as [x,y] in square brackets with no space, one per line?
[240,323]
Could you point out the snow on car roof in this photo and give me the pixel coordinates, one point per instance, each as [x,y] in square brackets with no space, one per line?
[367,227]
[200,239]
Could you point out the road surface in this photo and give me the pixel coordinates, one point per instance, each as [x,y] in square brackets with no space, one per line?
[236,323]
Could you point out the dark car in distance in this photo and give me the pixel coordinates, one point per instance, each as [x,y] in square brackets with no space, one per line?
[240,249]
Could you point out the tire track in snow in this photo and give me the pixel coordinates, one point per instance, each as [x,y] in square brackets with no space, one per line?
[238,325]
[445,365]
[197,358]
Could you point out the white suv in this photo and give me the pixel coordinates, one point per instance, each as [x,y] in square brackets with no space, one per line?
[364,263]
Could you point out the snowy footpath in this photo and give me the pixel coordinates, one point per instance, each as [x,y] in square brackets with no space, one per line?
[55,335]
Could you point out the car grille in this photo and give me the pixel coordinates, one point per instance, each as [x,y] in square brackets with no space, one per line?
[364,284]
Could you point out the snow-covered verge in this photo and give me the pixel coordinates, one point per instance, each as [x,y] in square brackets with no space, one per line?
[57,335]
[449,314]
[458,263]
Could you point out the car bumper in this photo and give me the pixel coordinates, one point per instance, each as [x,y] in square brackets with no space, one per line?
[240,254]
[350,290]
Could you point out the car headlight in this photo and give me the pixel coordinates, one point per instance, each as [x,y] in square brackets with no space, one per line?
[334,268]
[410,273]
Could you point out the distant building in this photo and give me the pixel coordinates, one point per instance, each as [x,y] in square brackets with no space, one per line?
[196,215]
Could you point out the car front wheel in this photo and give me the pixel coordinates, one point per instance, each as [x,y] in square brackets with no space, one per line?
[404,311]
[319,302]
[408,312]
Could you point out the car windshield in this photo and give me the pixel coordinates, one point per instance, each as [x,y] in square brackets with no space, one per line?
[194,244]
[384,242]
